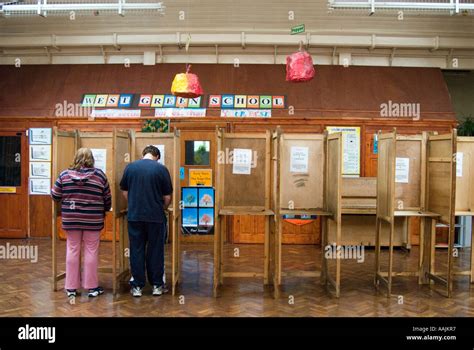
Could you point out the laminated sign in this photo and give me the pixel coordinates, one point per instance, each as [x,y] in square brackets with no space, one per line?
[299,160]
[242,161]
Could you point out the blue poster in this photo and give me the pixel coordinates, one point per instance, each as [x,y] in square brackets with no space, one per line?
[206,197]
[206,217]
[190,197]
[190,217]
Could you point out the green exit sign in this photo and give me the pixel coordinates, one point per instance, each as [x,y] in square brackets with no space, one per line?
[297,29]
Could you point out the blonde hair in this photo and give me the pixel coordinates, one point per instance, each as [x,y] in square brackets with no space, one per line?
[83,158]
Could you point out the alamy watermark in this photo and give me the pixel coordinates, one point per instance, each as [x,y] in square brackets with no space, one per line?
[19,252]
[346,252]
[66,109]
[392,109]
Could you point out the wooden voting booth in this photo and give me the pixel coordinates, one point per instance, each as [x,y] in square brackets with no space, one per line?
[465,190]
[303,167]
[242,188]
[169,145]
[117,146]
[415,179]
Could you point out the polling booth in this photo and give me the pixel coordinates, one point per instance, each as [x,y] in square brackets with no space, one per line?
[243,187]
[299,189]
[169,146]
[112,153]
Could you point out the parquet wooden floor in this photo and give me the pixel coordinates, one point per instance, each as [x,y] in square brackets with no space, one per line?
[26,288]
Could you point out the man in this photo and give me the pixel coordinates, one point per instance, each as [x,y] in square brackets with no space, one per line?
[147,186]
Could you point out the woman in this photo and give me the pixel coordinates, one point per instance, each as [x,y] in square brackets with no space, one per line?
[84,194]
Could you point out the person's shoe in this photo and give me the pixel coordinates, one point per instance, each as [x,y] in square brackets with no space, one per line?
[71,293]
[95,292]
[136,292]
[157,291]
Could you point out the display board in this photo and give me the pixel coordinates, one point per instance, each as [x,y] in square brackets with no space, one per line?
[169,146]
[244,161]
[465,176]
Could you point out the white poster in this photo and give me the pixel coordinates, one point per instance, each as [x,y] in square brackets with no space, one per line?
[116,113]
[40,186]
[242,161]
[402,166]
[100,157]
[40,170]
[180,112]
[40,153]
[350,149]
[162,153]
[299,160]
[40,136]
[459,159]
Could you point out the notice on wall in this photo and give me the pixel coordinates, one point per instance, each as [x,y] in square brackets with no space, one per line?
[242,162]
[161,148]
[402,170]
[200,177]
[299,160]
[100,157]
[40,170]
[40,153]
[459,159]
[350,149]
[40,186]
[40,136]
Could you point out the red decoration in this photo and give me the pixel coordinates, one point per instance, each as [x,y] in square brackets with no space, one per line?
[299,67]
[186,85]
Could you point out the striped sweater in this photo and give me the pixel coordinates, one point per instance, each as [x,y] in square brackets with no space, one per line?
[85,197]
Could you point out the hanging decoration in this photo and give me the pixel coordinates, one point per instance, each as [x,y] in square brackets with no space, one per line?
[186,85]
[299,66]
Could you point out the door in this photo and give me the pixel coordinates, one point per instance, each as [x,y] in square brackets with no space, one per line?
[198,152]
[13,184]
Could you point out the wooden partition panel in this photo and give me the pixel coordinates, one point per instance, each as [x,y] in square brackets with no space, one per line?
[465,176]
[64,149]
[408,195]
[121,158]
[386,176]
[302,190]
[255,185]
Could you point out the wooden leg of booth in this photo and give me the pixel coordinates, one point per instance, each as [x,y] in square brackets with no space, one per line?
[390,259]
[53,250]
[377,253]
[266,256]
[449,276]
[175,254]
[426,239]
[222,238]
[471,277]
[114,255]
[217,255]
[324,240]
[423,222]
[338,260]
[274,261]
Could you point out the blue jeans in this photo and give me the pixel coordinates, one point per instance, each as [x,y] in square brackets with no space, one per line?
[147,252]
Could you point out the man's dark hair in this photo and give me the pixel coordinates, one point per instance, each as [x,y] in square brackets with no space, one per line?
[154,151]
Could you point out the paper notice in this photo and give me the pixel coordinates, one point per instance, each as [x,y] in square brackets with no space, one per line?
[162,153]
[402,166]
[100,157]
[459,159]
[242,162]
[299,160]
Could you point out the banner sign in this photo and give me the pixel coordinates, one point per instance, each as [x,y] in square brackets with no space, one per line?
[180,112]
[246,113]
[226,101]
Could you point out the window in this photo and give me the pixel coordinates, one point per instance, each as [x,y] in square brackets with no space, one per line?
[10,161]
[197,152]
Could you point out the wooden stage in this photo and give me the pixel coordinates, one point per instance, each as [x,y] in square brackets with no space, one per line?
[26,288]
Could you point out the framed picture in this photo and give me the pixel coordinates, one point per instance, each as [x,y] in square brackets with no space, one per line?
[206,197]
[40,136]
[40,153]
[40,170]
[190,217]
[40,187]
[189,197]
